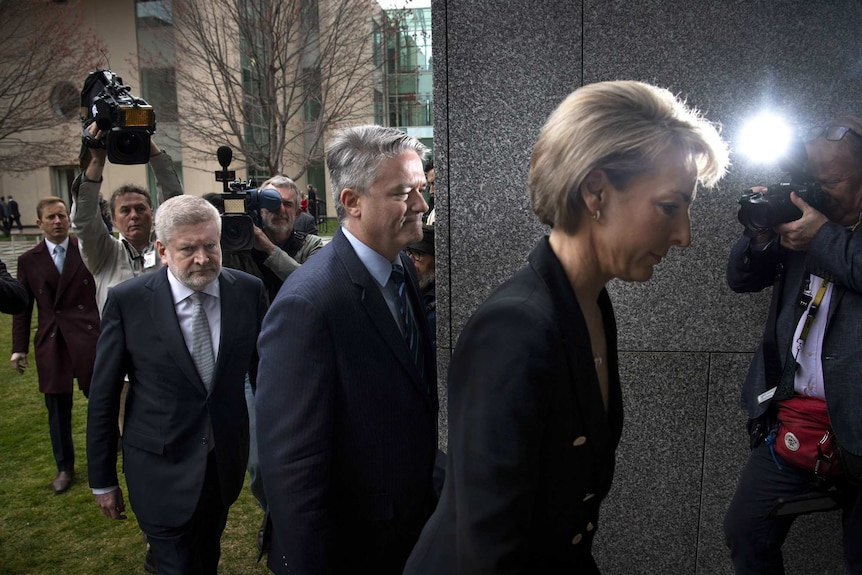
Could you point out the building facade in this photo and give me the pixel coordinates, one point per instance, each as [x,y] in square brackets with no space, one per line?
[161,50]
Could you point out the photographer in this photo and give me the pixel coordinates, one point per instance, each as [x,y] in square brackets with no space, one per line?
[112,260]
[279,249]
[802,390]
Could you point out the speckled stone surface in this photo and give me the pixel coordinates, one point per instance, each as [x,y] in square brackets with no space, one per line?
[499,70]
[649,520]
[443,358]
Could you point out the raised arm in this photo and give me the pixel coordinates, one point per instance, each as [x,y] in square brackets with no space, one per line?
[167,182]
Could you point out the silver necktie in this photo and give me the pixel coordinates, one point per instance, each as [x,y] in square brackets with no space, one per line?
[202,344]
[59,258]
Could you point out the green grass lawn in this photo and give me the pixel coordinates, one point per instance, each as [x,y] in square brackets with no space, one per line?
[43,533]
[327,227]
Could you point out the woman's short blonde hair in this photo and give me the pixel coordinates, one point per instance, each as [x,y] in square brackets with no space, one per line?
[622,128]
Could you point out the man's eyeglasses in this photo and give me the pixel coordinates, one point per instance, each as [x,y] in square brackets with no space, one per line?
[831,133]
[414,255]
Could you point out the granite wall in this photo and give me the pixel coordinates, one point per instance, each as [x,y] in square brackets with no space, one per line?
[499,69]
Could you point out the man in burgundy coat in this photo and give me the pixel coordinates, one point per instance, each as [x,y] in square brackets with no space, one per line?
[59,284]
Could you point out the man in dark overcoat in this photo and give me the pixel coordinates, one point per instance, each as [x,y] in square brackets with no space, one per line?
[64,292]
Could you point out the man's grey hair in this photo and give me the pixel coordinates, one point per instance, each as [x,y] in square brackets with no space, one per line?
[183,211]
[280,181]
[354,156]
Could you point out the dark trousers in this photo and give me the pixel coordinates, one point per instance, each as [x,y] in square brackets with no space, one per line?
[755,541]
[193,548]
[60,427]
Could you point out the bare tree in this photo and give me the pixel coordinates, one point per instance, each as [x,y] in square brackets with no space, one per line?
[45,54]
[270,77]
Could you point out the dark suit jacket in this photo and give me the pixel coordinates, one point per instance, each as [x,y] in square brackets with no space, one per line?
[347,429]
[13,296]
[531,448]
[166,436]
[68,325]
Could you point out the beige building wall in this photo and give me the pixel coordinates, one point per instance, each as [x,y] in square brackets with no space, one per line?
[114,24]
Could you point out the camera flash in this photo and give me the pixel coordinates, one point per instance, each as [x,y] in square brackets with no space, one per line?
[764,139]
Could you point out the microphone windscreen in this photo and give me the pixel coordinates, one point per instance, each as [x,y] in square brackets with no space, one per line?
[225,155]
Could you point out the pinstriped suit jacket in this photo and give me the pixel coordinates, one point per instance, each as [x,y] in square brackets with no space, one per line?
[347,427]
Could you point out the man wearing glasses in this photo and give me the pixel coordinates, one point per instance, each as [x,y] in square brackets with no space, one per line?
[803,392]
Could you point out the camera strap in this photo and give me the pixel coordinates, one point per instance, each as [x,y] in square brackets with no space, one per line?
[780,380]
[812,310]
[139,260]
[786,384]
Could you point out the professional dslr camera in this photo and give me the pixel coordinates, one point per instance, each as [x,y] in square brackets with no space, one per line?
[761,212]
[241,206]
[129,121]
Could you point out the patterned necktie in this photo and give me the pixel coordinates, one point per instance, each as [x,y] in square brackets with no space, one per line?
[411,330]
[59,258]
[202,345]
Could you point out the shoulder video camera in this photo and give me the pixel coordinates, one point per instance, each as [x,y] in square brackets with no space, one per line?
[240,204]
[129,121]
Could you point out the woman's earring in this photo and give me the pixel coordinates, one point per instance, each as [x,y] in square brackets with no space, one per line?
[597,215]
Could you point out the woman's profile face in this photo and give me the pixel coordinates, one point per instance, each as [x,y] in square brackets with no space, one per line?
[638,225]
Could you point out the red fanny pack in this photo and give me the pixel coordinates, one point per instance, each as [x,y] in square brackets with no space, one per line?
[804,436]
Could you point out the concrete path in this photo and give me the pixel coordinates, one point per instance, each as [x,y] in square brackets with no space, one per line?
[18,244]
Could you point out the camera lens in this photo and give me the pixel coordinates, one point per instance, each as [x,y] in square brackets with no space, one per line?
[128,146]
[237,233]
[128,143]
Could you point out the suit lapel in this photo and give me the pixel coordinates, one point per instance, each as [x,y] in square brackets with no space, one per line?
[230,304]
[376,308]
[585,383]
[70,266]
[164,315]
[42,256]
[415,297]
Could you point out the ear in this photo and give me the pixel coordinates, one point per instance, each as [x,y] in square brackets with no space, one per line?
[160,249]
[351,200]
[592,189]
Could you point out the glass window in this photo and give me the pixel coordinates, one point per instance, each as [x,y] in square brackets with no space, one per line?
[159,89]
[312,95]
[61,181]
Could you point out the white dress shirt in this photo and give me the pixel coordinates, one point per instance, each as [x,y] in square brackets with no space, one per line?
[184,306]
[52,248]
[808,380]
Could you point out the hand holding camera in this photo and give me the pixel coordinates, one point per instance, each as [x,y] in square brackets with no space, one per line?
[797,234]
[125,121]
[95,141]
[789,208]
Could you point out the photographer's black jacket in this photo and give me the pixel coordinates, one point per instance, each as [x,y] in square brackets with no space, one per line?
[835,253]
